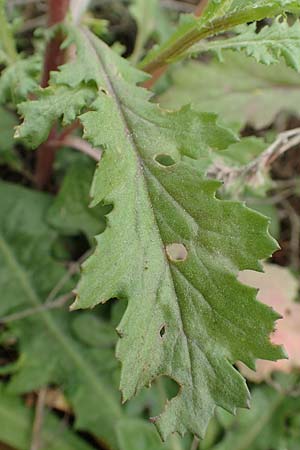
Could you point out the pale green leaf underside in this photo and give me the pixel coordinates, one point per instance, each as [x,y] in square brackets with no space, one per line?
[191,319]
[267,46]
[238,89]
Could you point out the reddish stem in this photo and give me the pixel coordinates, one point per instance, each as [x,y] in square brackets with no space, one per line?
[157,73]
[200,7]
[54,57]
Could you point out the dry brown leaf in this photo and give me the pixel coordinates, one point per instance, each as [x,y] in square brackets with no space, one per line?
[278,289]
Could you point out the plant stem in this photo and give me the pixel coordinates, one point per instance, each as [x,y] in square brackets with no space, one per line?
[54,57]
[200,7]
[38,421]
[83,146]
[157,73]
[191,33]
[6,36]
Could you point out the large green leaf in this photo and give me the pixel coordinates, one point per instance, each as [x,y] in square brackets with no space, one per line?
[17,422]
[171,248]
[184,315]
[49,349]
[239,89]
[218,16]
[267,46]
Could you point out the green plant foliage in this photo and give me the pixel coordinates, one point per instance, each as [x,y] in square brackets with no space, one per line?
[70,212]
[239,89]
[218,16]
[8,53]
[66,104]
[267,46]
[19,79]
[145,13]
[271,423]
[7,152]
[28,274]
[263,8]
[147,439]
[166,241]
[174,248]
[16,427]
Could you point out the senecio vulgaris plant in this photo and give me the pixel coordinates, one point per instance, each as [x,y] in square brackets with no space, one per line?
[170,248]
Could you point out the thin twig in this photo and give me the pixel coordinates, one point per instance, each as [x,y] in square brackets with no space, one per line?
[295,233]
[252,172]
[58,303]
[51,302]
[200,7]
[36,443]
[195,443]
[73,268]
[33,23]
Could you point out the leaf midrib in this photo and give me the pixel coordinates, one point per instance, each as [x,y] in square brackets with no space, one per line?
[47,317]
[134,145]
[203,46]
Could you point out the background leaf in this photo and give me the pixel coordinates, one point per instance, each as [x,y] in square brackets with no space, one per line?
[70,212]
[268,424]
[16,427]
[28,274]
[239,89]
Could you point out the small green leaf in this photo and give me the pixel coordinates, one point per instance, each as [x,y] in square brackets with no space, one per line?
[54,103]
[19,79]
[268,46]
[218,16]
